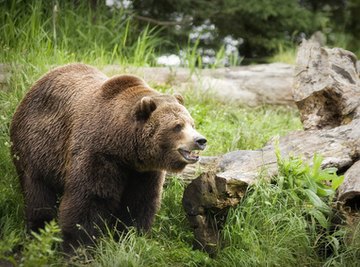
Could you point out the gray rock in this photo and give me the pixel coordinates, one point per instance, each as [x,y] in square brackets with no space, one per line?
[349,191]
[326,86]
[249,85]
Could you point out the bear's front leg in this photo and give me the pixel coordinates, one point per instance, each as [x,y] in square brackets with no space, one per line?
[82,218]
[91,199]
[141,199]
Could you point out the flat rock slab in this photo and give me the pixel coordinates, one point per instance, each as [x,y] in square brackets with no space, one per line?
[251,85]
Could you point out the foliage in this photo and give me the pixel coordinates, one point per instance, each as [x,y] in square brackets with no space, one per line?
[102,36]
[260,25]
[284,54]
[130,250]
[43,248]
[192,56]
[264,24]
[311,185]
[168,244]
[267,229]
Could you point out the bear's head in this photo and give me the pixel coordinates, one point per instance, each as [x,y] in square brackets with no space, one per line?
[164,136]
[167,133]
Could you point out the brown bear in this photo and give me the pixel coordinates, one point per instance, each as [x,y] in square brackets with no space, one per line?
[99,145]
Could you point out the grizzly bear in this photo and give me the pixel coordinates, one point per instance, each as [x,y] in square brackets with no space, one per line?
[100,147]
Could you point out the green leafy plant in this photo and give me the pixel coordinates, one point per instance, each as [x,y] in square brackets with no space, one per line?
[42,249]
[313,186]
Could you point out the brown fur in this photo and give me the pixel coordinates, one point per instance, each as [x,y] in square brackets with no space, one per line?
[100,144]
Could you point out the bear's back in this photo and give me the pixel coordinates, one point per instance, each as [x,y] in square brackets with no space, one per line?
[62,87]
[41,126]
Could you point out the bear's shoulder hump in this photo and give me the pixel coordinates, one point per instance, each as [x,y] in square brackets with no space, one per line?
[119,83]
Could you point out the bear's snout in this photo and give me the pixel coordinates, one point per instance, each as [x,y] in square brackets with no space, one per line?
[190,150]
[200,142]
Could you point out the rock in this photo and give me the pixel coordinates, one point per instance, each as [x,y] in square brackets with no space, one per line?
[318,37]
[210,193]
[327,93]
[193,170]
[326,86]
[349,191]
[249,85]
[153,75]
[339,146]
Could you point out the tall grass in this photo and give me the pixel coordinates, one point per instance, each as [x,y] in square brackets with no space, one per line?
[267,230]
[280,224]
[56,32]
[169,243]
[284,54]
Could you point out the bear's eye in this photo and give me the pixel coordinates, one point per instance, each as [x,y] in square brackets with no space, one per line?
[178,127]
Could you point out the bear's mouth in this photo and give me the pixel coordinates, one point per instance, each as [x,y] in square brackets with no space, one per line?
[190,156]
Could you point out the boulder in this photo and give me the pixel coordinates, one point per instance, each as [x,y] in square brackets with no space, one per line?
[326,86]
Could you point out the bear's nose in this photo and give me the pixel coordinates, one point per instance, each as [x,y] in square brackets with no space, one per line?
[201,142]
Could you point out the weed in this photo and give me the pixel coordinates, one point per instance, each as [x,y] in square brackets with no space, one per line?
[311,186]
[97,38]
[42,249]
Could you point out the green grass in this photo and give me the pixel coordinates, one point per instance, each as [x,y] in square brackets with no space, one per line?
[284,55]
[68,34]
[230,127]
[269,228]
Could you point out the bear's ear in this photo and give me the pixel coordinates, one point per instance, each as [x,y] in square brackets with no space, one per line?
[145,107]
[179,98]
[115,85]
